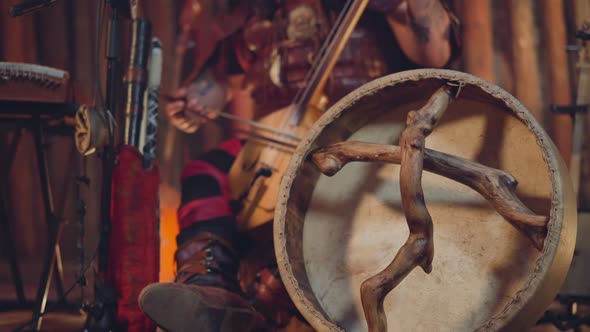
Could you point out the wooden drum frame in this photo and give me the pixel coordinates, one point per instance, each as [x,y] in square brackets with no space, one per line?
[333,233]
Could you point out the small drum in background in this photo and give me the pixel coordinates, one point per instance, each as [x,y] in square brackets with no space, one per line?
[332,233]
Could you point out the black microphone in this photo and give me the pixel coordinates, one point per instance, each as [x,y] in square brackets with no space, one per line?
[28,6]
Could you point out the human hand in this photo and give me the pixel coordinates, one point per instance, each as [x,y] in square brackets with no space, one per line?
[175,109]
[186,111]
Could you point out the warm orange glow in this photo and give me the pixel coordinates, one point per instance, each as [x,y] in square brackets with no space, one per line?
[168,232]
[169,201]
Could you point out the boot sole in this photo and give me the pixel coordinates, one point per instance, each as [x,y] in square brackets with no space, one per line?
[175,309]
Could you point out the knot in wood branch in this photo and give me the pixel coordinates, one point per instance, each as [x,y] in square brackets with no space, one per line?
[415,142]
[328,163]
[509,181]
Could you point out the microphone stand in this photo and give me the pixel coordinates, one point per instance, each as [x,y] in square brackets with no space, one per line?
[103,313]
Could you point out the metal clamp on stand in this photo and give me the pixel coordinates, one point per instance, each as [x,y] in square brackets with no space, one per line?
[569,109]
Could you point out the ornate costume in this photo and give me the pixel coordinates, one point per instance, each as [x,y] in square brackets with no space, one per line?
[275,48]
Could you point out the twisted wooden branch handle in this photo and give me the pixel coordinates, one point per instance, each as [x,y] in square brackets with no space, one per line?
[418,249]
[495,185]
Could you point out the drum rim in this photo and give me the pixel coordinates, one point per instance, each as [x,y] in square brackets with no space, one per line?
[551,266]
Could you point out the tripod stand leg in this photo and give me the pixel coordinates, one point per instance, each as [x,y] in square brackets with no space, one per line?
[53,257]
[11,252]
[7,239]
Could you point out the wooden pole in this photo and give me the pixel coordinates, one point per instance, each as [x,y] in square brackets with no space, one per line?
[18,44]
[581,16]
[164,23]
[524,57]
[478,50]
[170,140]
[554,33]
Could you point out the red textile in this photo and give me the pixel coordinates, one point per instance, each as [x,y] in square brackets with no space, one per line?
[134,240]
[203,209]
[197,167]
[232,146]
[211,207]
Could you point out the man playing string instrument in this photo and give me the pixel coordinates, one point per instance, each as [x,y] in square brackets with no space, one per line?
[269,55]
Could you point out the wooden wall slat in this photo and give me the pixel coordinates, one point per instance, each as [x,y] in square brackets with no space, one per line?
[478,49]
[581,15]
[53,40]
[52,36]
[554,34]
[19,45]
[170,140]
[18,35]
[525,64]
[27,214]
[502,35]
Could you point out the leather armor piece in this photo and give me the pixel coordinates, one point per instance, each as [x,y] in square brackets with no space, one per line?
[187,308]
[206,295]
[283,62]
[269,297]
[208,260]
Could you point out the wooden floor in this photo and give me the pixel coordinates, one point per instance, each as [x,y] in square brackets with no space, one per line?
[551,328]
[73,320]
[60,321]
[53,322]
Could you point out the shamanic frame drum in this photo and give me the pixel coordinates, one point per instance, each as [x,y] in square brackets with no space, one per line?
[332,233]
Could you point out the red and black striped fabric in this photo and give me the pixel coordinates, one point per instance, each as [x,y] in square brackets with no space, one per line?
[206,204]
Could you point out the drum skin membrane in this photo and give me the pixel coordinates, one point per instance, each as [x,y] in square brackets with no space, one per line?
[332,233]
[355,225]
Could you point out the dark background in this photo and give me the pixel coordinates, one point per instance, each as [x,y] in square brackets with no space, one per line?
[517,44]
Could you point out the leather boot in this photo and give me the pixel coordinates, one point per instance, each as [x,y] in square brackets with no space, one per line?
[205,295]
[269,296]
